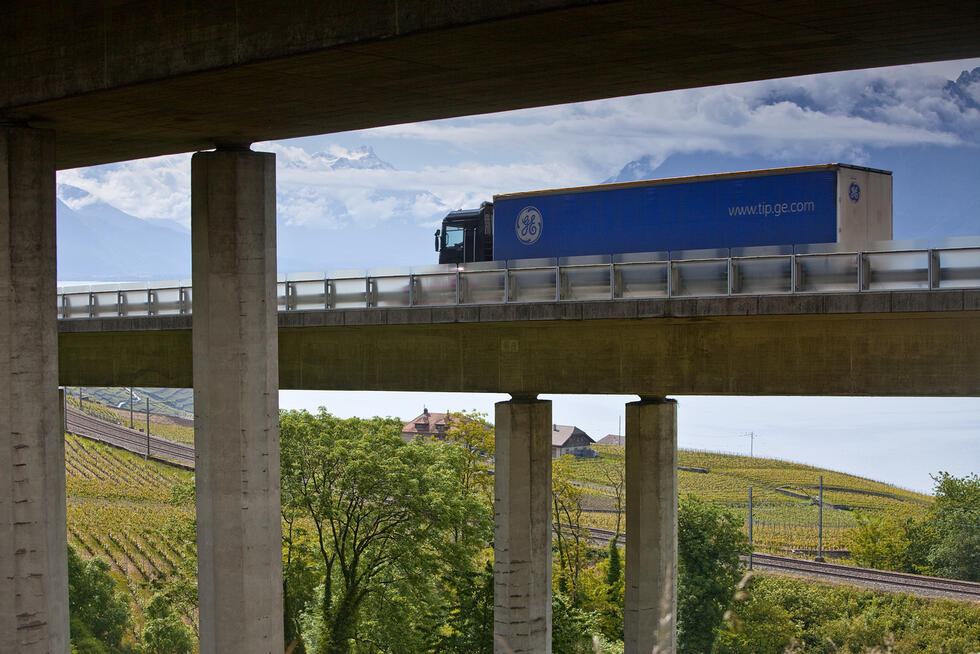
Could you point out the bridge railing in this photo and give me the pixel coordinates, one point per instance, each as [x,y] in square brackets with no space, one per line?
[823,268]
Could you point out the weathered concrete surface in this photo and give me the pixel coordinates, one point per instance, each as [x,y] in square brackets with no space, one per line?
[33,532]
[650,611]
[522,527]
[899,343]
[120,79]
[236,402]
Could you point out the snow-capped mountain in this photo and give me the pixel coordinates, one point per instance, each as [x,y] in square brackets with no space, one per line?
[362,158]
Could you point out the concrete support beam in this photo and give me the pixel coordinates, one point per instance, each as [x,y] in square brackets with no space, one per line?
[33,534]
[236,402]
[651,533]
[522,527]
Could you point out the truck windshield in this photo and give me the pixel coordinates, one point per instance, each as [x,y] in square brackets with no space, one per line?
[454,236]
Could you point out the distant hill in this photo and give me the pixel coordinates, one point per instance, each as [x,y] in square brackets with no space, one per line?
[98,242]
[167,401]
[785,511]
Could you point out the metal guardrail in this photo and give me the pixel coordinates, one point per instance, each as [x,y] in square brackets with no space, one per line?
[823,268]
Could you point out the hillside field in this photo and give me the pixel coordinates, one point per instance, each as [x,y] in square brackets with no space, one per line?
[123,509]
[785,510]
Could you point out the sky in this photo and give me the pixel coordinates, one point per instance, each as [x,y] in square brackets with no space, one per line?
[372,198]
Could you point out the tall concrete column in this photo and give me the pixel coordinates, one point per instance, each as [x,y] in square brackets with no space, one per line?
[236,401]
[651,526]
[522,527]
[33,533]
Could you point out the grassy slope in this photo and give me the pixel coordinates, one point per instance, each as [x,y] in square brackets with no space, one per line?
[781,520]
[119,509]
[169,401]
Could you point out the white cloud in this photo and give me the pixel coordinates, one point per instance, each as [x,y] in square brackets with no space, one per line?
[829,117]
[159,187]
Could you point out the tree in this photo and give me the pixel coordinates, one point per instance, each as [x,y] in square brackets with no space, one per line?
[614,472]
[955,518]
[99,613]
[709,542]
[389,522]
[470,626]
[164,631]
[877,543]
[475,435]
[570,537]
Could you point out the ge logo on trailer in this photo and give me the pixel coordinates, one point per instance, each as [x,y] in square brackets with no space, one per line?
[529,225]
[854,192]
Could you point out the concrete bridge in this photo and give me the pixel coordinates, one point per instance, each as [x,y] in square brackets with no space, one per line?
[107,80]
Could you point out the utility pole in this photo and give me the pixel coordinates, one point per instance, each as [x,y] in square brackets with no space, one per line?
[751,545]
[820,523]
[131,408]
[147,427]
[751,436]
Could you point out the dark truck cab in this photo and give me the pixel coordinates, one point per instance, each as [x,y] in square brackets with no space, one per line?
[466,235]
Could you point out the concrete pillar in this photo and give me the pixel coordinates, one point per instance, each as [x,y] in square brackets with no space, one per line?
[33,532]
[522,527]
[651,527]
[236,401]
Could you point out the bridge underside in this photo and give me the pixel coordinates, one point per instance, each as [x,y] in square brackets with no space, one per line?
[924,353]
[96,81]
[134,81]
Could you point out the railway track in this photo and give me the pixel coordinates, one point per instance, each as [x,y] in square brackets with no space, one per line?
[878,579]
[159,449]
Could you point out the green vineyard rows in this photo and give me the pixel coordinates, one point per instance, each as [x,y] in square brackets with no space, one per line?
[120,508]
[783,520]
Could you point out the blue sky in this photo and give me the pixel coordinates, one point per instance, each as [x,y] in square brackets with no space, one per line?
[372,198]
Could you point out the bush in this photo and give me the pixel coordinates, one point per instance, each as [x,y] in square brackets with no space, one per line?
[774,612]
[709,542]
[99,614]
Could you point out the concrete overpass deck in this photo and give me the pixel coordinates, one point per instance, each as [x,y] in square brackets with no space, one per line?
[869,343]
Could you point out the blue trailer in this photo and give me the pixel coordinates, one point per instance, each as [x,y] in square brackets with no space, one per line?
[832,203]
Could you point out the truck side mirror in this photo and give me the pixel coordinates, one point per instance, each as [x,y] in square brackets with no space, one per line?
[437,240]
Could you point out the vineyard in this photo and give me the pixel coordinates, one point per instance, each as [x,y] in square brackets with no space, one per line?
[785,507]
[123,509]
[128,511]
[178,402]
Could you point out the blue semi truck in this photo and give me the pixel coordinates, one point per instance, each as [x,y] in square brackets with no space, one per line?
[830,203]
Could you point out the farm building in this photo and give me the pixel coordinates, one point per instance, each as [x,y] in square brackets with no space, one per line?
[568,439]
[612,439]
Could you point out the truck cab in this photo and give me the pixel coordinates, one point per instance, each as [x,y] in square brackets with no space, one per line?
[466,235]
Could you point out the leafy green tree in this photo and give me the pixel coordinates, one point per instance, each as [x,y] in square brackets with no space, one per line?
[601,591]
[614,472]
[164,631]
[572,628]
[755,625]
[709,542]
[877,542]
[475,435]
[389,522]
[99,613]
[955,518]
[571,538]
[470,627]
[615,570]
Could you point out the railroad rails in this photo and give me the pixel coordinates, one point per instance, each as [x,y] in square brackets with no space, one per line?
[878,579]
[882,579]
[159,449]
